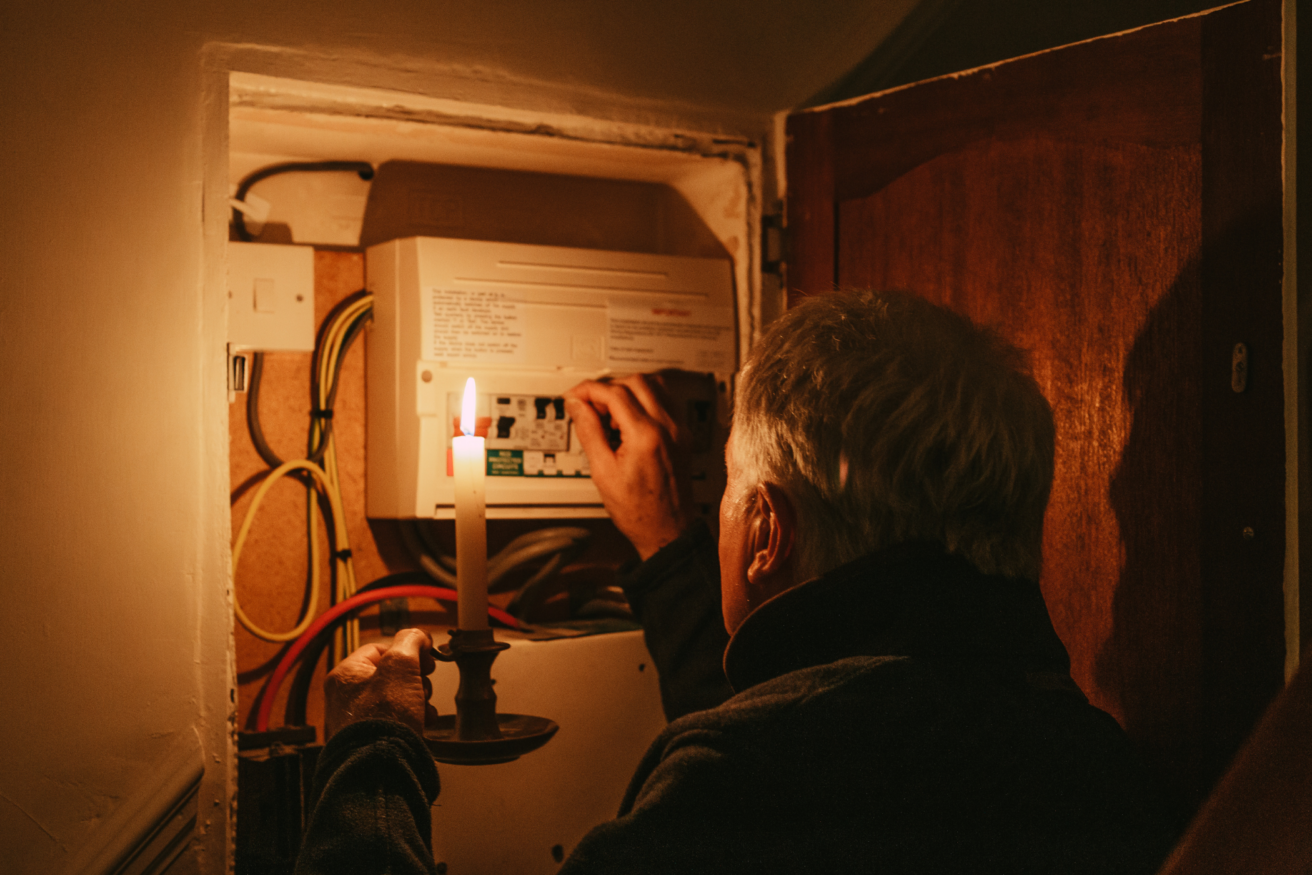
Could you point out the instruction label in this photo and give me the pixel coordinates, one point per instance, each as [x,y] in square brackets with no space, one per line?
[651,337]
[477,326]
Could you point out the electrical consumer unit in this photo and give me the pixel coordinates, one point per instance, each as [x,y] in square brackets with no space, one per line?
[527,323]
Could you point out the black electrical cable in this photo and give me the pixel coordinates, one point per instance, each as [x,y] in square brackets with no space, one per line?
[253,425]
[325,415]
[363,168]
[253,413]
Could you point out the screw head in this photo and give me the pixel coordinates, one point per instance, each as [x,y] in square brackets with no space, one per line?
[1249,534]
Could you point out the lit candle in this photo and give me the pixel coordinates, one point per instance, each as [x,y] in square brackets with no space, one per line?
[470,470]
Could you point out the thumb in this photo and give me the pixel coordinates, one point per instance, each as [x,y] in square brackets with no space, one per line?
[409,645]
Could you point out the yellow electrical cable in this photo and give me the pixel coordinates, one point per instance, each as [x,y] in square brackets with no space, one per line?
[346,580]
[328,479]
[336,509]
[347,638]
[338,339]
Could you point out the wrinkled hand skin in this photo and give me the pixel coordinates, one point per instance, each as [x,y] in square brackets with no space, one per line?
[644,484]
[383,683]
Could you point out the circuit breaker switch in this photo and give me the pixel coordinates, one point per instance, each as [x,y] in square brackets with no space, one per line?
[559,404]
[504,425]
[542,404]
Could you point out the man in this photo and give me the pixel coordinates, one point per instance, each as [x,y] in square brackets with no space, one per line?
[896,698]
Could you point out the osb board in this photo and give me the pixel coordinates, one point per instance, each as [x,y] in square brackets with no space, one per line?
[272,579]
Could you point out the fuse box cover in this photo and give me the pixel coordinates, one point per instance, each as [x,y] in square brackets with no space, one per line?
[527,322]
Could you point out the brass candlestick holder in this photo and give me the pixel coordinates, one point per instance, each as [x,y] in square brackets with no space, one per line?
[476,734]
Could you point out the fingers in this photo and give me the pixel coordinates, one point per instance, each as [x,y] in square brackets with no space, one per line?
[409,648]
[370,652]
[587,424]
[360,662]
[649,391]
[380,682]
[626,410]
[633,406]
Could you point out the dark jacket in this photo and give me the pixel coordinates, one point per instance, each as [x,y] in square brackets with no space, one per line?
[903,713]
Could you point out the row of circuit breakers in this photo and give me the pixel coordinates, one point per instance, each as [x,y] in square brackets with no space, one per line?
[527,323]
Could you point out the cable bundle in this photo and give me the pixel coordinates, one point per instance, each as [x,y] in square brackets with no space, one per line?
[339,330]
[557,545]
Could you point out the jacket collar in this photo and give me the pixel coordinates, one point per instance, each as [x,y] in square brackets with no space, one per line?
[912,599]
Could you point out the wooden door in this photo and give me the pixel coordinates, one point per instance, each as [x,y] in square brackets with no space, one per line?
[1114,207]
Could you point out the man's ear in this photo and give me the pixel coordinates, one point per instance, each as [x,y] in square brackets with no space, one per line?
[773,529]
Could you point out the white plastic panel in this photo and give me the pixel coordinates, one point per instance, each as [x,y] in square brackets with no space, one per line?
[527,322]
[270,297]
[603,692]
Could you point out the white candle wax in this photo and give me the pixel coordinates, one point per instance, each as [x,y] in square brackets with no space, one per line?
[470,470]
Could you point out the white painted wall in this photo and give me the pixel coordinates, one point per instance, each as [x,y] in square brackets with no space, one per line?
[113,437]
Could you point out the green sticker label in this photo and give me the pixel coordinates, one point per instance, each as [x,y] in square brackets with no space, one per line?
[505,463]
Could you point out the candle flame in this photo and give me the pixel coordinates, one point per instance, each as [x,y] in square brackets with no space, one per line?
[467,408]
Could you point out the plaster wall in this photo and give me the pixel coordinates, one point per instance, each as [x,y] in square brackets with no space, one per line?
[114,529]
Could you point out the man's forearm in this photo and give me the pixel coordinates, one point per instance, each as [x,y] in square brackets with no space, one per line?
[373,789]
[676,596]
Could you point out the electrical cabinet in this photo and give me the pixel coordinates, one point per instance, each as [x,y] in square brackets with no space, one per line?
[527,322]
[529,258]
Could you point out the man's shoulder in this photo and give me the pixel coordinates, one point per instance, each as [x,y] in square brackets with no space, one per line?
[900,703]
[791,702]
[910,749]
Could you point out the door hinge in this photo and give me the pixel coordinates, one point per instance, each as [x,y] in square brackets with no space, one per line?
[1239,368]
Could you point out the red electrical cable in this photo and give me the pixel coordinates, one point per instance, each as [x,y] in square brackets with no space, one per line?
[355,602]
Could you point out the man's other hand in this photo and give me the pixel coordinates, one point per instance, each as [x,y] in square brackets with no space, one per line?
[387,683]
[644,483]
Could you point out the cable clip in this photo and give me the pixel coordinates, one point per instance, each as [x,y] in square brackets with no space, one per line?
[322,414]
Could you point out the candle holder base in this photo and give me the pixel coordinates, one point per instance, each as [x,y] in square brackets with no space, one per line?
[476,734]
[519,734]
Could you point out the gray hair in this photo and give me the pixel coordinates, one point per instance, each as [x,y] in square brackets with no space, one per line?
[886,419]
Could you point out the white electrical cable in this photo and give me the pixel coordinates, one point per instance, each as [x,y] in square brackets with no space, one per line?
[507,561]
[421,556]
[529,587]
[523,549]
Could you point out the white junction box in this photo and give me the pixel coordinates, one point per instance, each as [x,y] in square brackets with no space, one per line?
[270,297]
[527,323]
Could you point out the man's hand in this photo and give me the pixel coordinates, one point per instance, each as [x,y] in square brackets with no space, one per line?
[387,683]
[644,483]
